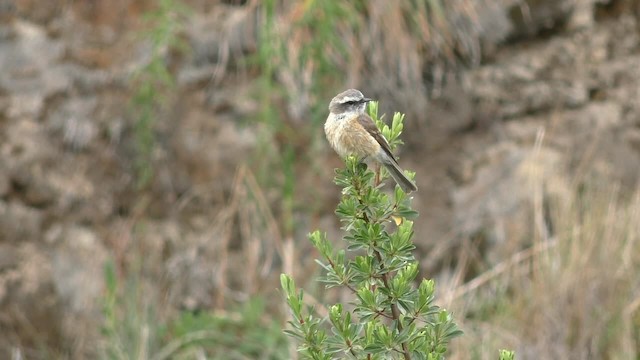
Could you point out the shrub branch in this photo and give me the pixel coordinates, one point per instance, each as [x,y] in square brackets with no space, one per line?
[390,317]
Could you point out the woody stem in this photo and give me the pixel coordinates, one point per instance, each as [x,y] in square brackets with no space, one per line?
[395,312]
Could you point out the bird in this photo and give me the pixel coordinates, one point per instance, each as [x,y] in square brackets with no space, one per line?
[350,131]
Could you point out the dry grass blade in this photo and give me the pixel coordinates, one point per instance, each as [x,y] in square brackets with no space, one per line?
[224,221]
[498,270]
[260,237]
[263,212]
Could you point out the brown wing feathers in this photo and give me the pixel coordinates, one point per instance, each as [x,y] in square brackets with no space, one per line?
[368,124]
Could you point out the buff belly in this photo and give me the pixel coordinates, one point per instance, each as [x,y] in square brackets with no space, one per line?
[348,137]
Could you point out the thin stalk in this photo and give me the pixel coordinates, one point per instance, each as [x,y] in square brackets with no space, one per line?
[395,312]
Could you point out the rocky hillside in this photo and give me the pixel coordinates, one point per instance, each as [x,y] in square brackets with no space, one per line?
[553,103]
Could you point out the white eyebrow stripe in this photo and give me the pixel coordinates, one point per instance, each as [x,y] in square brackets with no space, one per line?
[350,98]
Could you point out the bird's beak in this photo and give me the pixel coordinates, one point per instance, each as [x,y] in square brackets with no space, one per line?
[367,100]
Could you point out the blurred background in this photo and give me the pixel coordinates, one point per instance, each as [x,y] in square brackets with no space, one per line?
[162,162]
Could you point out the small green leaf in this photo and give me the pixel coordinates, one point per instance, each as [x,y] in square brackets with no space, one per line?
[507,355]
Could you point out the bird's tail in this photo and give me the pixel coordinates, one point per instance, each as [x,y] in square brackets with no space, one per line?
[396,173]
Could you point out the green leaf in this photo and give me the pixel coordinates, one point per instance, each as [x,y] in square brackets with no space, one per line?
[507,355]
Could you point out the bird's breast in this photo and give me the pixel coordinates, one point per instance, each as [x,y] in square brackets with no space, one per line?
[348,137]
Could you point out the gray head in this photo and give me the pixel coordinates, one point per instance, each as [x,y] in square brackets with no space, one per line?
[350,100]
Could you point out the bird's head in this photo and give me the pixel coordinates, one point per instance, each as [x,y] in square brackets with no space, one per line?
[348,101]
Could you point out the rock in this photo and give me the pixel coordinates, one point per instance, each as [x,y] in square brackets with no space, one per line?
[633,138]
[33,187]
[77,263]
[220,36]
[494,22]
[498,202]
[40,179]
[7,11]
[217,40]
[595,146]
[625,36]
[598,117]
[194,76]
[26,142]
[5,182]
[27,299]
[582,16]
[541,77]
[89,81]
[26,105]
[7,17]
[9,258]
[529,17]
[77,274]
[209,149]
[75,122]
[19,223]
[30,73]
[38,11]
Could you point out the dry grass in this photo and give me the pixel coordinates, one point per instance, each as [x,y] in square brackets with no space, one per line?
[245,242]
[400,50]
[573,293]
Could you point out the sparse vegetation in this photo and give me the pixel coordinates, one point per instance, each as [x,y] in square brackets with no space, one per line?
[242,333]
[132,329]
[153,84]
[580,281]
[130,326]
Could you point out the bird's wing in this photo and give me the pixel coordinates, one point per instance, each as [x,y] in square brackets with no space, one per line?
[368,124]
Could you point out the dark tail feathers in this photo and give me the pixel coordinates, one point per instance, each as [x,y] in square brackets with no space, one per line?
[396,173]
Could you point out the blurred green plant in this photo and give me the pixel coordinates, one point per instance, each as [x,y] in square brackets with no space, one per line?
[390,318]
[154,83]
[237,334]
[130,329]
[293,64]
[299,53]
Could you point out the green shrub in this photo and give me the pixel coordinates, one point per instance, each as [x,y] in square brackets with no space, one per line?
[389,317]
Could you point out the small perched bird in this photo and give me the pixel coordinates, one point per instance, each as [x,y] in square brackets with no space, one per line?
[352,132]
